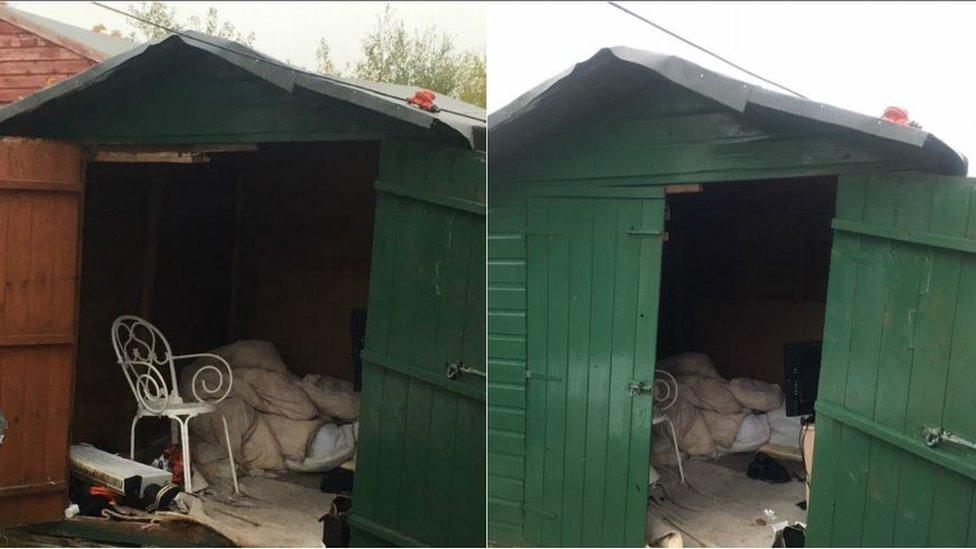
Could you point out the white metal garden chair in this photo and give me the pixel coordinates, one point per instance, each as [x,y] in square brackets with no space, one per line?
[144,353]
[665,394]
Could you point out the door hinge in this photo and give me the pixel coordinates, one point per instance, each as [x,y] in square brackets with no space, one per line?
[456,369]
[529,374]
[934,436]
[640,387]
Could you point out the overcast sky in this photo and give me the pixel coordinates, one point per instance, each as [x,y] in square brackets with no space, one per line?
[291,30]
[859,56]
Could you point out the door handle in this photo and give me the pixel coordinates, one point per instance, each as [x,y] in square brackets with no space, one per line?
[455,369]
[934,436]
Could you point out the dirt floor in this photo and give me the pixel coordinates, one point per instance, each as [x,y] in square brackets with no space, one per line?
[720,506]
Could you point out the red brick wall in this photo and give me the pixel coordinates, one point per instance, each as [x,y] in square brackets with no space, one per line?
[29,63]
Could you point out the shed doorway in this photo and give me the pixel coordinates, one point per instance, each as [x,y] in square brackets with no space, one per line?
[743,293]
[269,243]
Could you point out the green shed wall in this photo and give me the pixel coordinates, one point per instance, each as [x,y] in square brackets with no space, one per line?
[663,135]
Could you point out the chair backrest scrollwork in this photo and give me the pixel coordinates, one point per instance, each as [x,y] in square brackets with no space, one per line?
[144,354]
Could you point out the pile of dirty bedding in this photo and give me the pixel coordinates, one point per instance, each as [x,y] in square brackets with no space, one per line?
[714,416]
[277,421]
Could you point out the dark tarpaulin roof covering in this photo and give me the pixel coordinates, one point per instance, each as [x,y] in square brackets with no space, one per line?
[468,121]
[615,73]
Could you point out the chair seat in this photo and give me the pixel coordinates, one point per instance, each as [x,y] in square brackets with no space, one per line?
[182,409]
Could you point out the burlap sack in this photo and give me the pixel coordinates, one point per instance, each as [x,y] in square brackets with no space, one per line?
[713,393]
[293,435]
[252,353]
[722,427]
[273,393]
[698,364]
[757,395]
[251,440]
[693,435]
[333,397]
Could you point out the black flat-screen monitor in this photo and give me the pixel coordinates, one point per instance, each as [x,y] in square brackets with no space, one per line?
[802,374]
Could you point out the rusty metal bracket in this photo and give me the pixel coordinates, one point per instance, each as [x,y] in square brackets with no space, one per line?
[935,436]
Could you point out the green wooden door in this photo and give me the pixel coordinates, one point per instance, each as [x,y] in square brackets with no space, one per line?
[420,476]
[899,356]
[593,261]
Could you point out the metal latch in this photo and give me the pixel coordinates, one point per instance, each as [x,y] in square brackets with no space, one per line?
[455,369]
[639,387]
[644,232]
[934,436]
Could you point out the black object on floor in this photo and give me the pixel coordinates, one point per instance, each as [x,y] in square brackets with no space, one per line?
[338,481]
[335,523]
[791,536]
[89,505]
[765,468]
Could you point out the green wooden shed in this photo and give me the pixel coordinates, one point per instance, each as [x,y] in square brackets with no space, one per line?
[641,205]
[226,195]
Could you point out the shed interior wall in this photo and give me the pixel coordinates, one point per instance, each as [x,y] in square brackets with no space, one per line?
[744,271]
[278,244]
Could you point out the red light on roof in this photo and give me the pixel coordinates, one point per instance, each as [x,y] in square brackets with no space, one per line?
[896,115]
[424,99]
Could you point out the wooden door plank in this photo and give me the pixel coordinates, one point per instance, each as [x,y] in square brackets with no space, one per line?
[537,276]
[578,368]
[645,353]
[621,374]
[894,367]
[871,295]
[598,385]
[557,326]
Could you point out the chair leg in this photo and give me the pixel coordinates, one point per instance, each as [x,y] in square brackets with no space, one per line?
[230,455]
[132,437]
[185,445]
[677,451]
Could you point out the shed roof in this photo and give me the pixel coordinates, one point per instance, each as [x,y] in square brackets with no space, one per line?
[89,44]
[617,72]
[465,120]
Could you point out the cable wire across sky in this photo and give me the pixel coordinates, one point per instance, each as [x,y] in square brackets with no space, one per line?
[703,49]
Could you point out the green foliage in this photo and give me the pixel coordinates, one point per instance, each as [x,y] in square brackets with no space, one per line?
[161,14]
[323,59]
[427,59]
[472,87]
[212,25]
[390,53]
